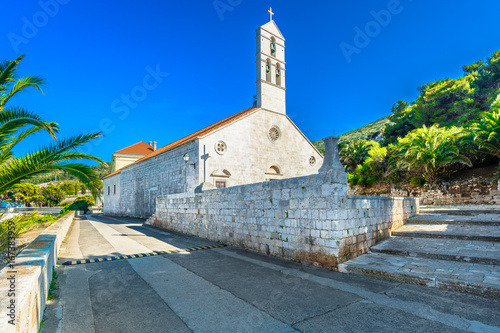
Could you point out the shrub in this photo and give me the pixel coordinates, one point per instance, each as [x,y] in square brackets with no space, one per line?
[362,176]
[419,181]
[81,203]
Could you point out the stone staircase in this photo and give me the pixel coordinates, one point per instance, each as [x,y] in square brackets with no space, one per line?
[455,249]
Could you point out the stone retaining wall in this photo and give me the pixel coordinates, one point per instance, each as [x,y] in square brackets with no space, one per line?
[32,274]
[475,191]
[310,219]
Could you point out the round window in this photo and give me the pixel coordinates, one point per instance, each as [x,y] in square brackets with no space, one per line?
[312,160]
[220,147]
[274,134]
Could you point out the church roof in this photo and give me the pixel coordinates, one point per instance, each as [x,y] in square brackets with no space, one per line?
[195,135]
[272,28]
[112,174]
[139,148]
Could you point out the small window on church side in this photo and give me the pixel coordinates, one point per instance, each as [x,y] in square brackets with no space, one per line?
[114,189]
[109,190]
[220,184]
[274,170]
[268,71]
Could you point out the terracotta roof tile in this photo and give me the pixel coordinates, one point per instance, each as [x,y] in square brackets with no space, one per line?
[112,174]
[139,148]
[198,134]
[180,142]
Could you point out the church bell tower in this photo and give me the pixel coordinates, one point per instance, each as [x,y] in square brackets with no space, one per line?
[271,91]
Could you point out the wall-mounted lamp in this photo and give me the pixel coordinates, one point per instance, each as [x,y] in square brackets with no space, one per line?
[186,160]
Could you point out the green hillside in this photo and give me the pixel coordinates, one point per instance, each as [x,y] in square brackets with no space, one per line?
[446,102]
[57,176]
[367,132]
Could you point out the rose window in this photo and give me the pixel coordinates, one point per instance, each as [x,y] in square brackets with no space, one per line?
[274,134]
[220,147]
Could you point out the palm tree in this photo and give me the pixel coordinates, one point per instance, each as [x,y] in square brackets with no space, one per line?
[355,153]
[428,150]
[486,132]
[17,124]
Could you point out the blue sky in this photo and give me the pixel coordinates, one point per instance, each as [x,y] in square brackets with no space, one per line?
[202,53]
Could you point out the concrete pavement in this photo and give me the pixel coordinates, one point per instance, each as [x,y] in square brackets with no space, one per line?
[234,290]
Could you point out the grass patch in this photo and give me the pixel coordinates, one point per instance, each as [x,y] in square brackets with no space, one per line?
[23,224]
[53,286]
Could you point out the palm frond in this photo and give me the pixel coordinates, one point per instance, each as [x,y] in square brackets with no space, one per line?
[7,73]
[29,81]
[56,151]
[12,119]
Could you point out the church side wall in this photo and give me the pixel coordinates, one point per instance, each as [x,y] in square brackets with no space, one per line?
[308,218]
[141,183]
[250,153]
[111,201]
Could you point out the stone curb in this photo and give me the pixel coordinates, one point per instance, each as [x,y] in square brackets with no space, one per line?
[32,273]
[459,212]
[439,256]
[459,222]
[429,281]
[447,236]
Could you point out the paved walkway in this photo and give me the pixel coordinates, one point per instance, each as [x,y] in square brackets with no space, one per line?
[453,249]
[234,290]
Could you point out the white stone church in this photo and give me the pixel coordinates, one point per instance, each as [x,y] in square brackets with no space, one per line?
[255,145]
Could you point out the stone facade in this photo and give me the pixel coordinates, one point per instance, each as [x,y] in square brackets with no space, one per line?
[250,156]
[311,219]
[139,184]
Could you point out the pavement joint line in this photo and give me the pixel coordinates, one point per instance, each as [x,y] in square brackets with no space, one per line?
[139,255]
[418,309]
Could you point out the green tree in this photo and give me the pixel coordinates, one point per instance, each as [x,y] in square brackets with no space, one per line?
[83,202]
[53,194]
[428,150]
[17,124]
[83,189]
[487,82]
[38,200]
[71,188]
[354,153]
[486,132]
[400,122]
[476,67]
[26,188]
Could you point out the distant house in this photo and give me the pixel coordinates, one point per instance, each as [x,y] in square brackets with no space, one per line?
[130,154]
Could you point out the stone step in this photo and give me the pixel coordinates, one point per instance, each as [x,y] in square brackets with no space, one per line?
[455,231]
[459,211]
[452,275]
[443,249]
[481,219]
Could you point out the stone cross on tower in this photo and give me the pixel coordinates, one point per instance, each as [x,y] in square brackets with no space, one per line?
[204,157]
[270,11]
